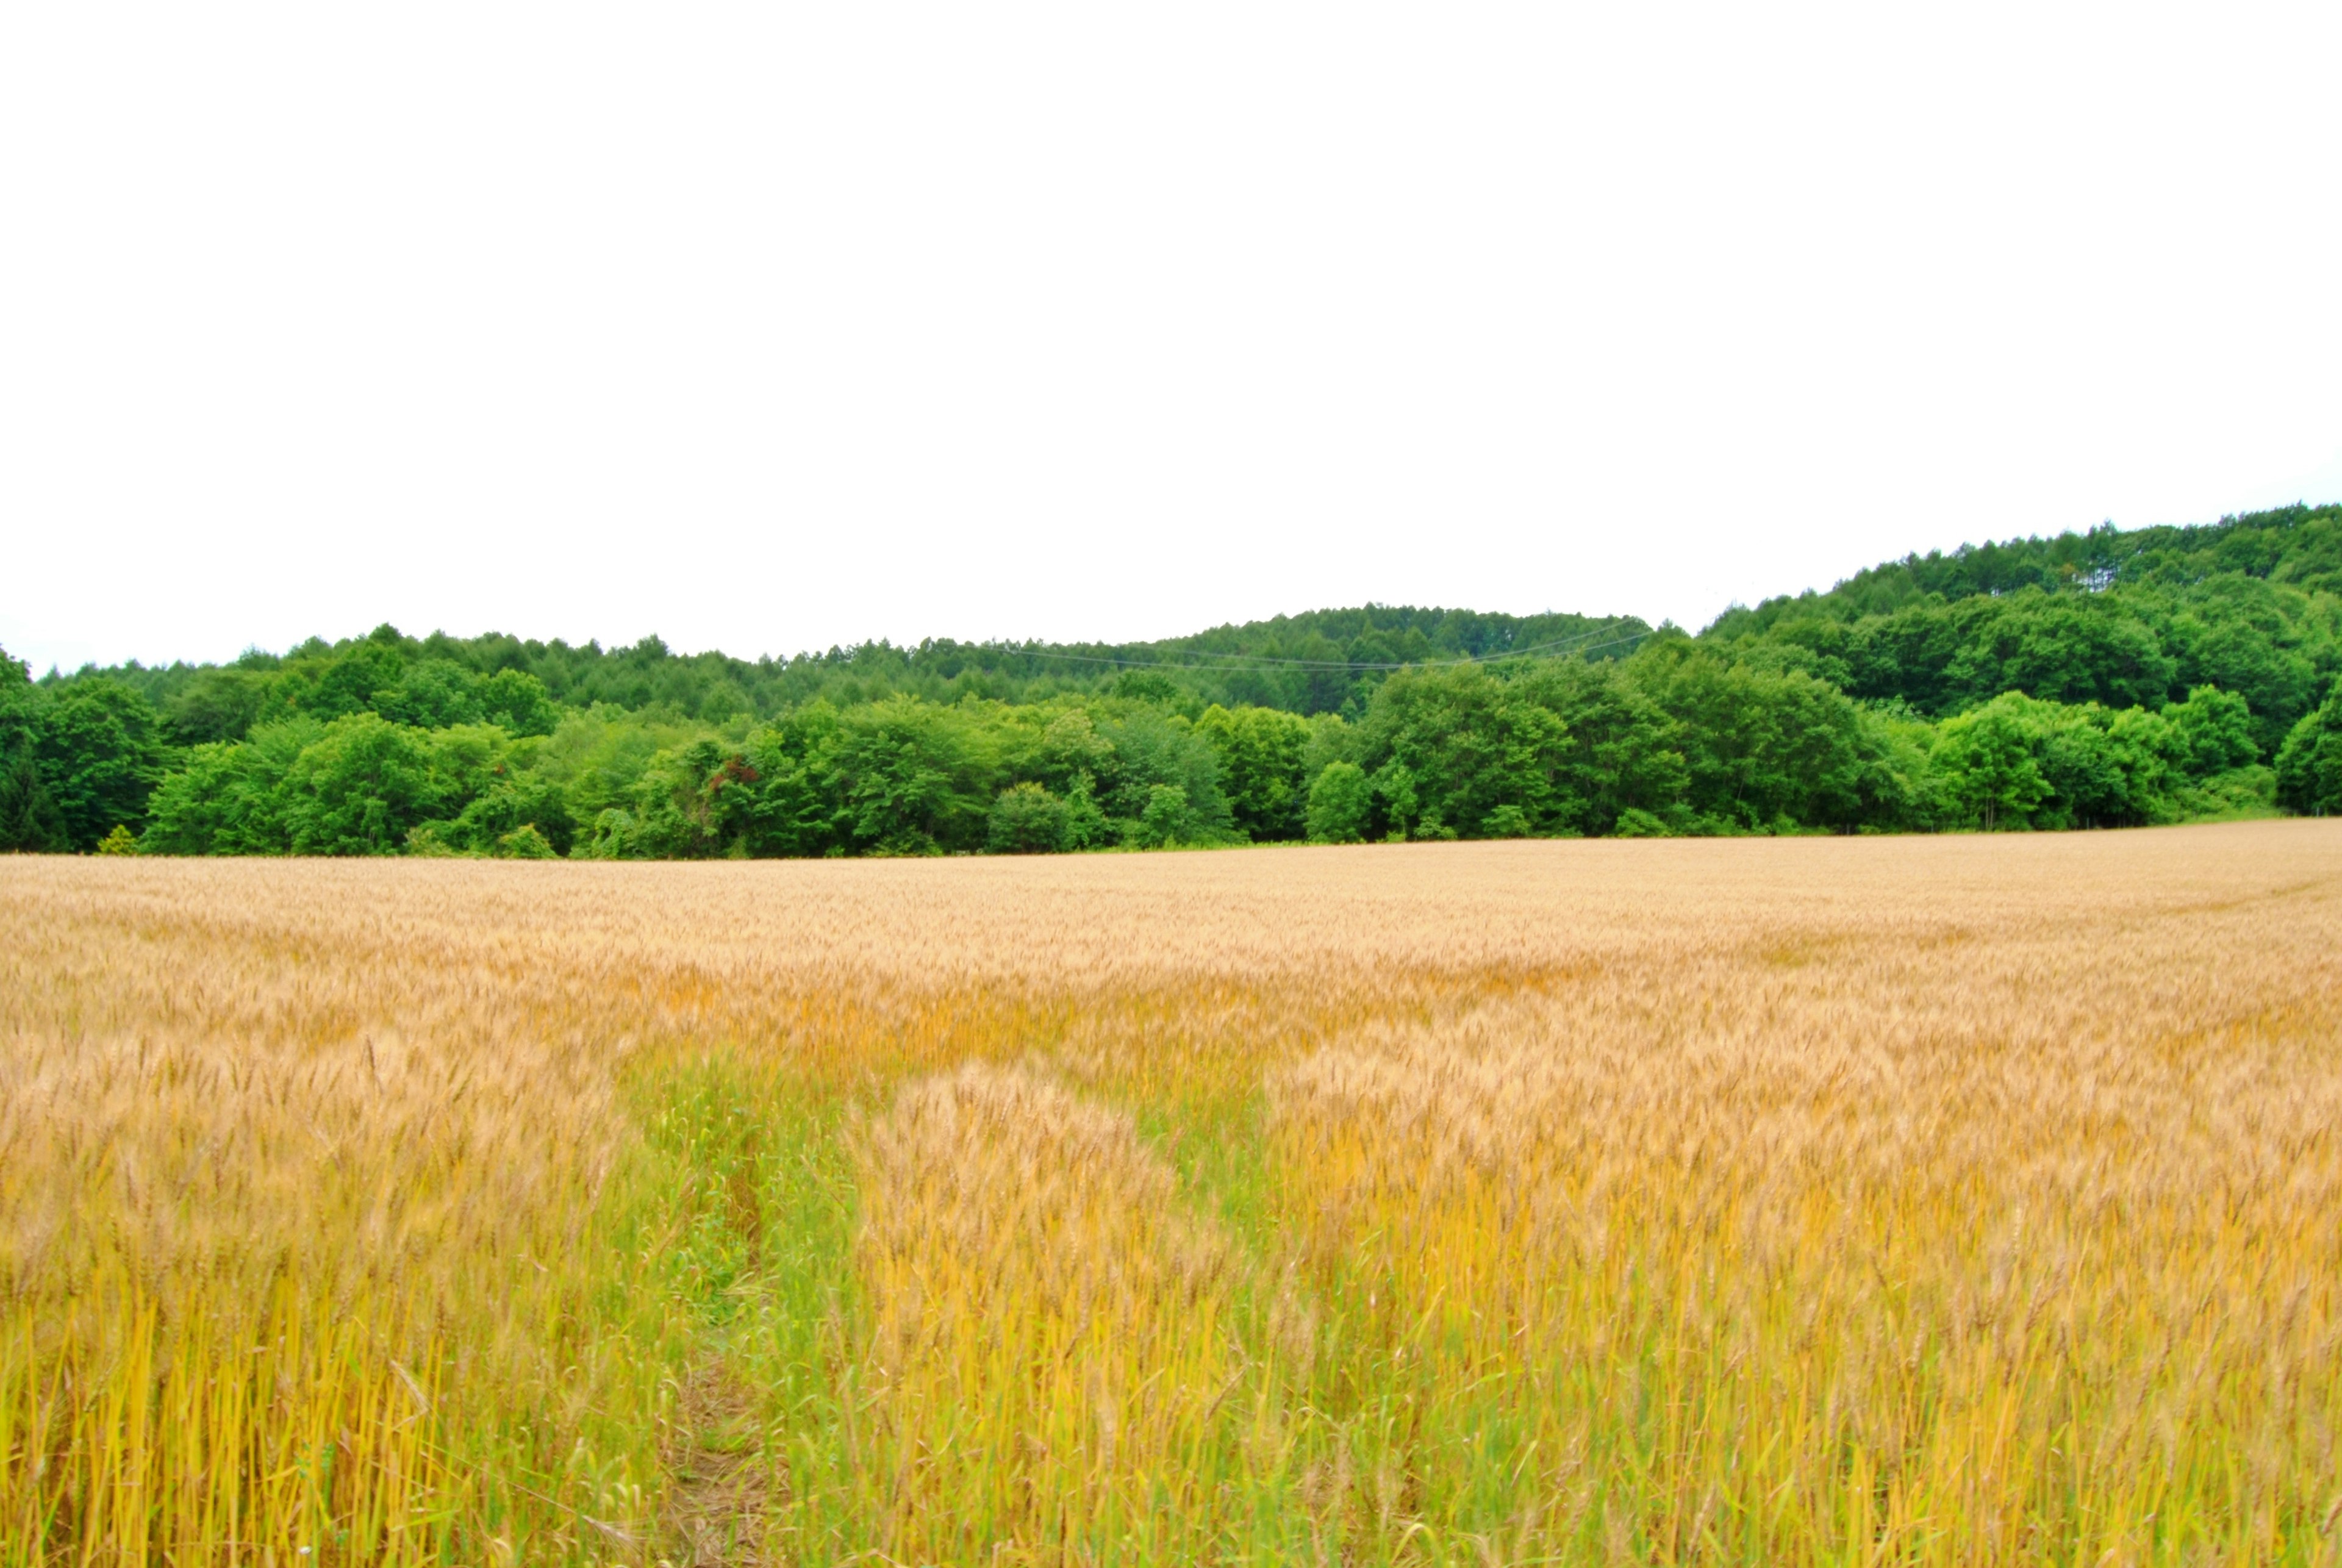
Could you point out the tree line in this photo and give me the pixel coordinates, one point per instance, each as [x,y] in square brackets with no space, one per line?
[2102,679]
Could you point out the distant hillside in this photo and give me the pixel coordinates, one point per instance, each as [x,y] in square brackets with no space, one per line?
[2298,545]
[2101,679]
[2121,617]
[1321,660]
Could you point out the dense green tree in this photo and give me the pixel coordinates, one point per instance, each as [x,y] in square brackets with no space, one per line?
[432,695]
[207,807]
[600,757]
[1991,776]
[1087,826]
[1456,752]
[2105,769]
[1763,749]
[517,801]
[524,842]
[1621,750]
[322,683]
[361,787]
[609,836]
[517,702]
[2255,639]
[2213,730]
[2309,766]
[1028,819]
[1261,752]
[1151,750]
[216,704]
[1151,686]
[229,797]
[788,807]
[1168,819]
[1899,786]
[30,822]
[1066,751]
[695,803]
[2067,648]
[911,778]
[2019,762]
[100,752]
[1341,804]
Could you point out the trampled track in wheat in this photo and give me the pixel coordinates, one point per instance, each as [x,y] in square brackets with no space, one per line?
[1936,1200]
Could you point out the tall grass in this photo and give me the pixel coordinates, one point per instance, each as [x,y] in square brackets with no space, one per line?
[1802,1202]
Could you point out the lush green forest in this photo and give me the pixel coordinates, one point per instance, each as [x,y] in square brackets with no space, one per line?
[2100,679]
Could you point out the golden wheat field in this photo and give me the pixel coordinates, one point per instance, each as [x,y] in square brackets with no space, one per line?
[1952,1200]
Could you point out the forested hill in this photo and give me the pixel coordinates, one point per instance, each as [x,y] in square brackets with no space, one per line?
[2093,679]
[1322,660]
[2300,546]
[2119,617]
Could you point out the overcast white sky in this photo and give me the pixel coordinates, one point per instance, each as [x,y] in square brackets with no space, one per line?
[770,327]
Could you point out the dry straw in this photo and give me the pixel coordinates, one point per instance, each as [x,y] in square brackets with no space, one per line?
[1817,1200]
